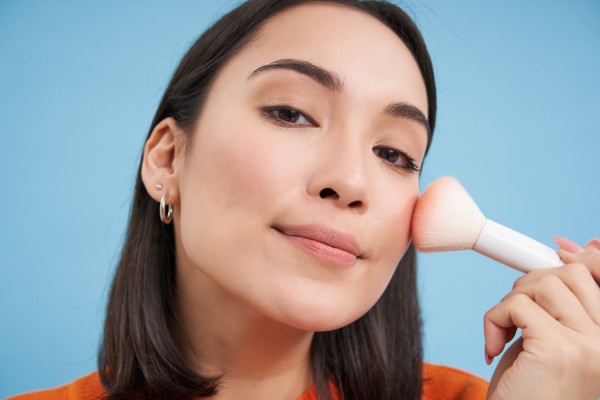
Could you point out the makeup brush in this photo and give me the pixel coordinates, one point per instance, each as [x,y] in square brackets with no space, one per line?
[446,218]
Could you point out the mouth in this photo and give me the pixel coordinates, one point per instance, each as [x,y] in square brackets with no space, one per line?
[327,244]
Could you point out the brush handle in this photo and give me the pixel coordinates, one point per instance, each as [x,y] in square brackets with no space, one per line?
[514,249]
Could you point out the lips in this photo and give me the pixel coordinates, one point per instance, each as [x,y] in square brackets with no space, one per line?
[325,243]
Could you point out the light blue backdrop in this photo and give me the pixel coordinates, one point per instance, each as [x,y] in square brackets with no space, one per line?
[519,100]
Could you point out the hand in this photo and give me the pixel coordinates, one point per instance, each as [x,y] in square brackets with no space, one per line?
[558,312]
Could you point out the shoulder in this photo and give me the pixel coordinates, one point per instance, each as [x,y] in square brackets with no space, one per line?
[447,383]
[87,387]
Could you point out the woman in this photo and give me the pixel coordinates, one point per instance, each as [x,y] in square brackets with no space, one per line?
[285,169]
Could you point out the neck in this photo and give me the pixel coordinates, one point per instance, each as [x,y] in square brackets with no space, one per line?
[256,357]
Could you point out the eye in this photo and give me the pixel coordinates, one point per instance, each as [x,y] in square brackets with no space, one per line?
[396,158]
[287,116]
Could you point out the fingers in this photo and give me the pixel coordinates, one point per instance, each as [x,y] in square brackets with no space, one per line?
[558,311]
[567,244]
[572,247]
[588,254]
[570,252]
[537,308]
[517,311]
[562,301]
[550,299]
[595,243]
[577,278]
[581,274]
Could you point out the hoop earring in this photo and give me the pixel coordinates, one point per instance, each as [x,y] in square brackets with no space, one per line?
[165,210]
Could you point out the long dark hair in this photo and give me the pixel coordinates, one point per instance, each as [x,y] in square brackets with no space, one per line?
[379,356]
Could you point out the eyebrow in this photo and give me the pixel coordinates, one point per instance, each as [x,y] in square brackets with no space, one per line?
[332,81]
[406,110]
[322,76]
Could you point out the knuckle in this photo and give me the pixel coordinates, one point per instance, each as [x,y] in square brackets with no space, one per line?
[593,243]
[520,300]
[577,270]
[493,313]
[490,313]
[529,277]
[519,281]
[550,280]
[578,273]
[594,259]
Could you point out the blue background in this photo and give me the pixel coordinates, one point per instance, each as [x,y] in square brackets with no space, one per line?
[519,99]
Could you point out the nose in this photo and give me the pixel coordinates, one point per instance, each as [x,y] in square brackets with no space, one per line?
[340,176]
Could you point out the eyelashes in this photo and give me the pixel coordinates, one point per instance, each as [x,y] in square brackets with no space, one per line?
[397,158]
[291,117]
[288,116]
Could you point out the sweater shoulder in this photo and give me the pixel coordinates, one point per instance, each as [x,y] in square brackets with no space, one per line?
[439,383]
[447,383]
[87,387]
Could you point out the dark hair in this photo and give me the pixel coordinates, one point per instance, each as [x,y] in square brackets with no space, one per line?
[379,356]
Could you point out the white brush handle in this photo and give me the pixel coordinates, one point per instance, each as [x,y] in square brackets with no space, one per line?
[514,249]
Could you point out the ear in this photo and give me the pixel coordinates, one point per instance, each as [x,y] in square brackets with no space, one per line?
[159,165]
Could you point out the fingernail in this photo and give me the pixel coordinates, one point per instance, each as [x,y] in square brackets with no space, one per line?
[593,243]
[568,245]
[488,359]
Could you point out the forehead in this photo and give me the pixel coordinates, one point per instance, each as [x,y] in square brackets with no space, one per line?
[365,53]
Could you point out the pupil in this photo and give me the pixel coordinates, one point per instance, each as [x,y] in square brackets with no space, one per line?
[289,115]
[390,155]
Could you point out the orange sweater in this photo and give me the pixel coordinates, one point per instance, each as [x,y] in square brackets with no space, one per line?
[440,383]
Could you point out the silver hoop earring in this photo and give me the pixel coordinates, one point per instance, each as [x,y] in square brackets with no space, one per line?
[165,210]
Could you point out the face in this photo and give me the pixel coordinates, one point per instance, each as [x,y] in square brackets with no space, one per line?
[296,195]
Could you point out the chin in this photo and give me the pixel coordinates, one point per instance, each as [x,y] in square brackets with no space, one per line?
[320,316]
[318,324]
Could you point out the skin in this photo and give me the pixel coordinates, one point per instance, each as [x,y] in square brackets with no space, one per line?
[558,311]
[250,298]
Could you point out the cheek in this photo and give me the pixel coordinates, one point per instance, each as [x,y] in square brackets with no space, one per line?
[234,168]
[392,234]
[232,186]
[248,170]
[394,221]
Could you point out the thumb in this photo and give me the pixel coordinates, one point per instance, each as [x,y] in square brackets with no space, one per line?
[588,255]
[592,244]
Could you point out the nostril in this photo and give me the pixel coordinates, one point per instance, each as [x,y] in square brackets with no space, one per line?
[355,204]
[328,192]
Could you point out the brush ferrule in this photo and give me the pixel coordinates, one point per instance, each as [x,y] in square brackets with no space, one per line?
[514,249]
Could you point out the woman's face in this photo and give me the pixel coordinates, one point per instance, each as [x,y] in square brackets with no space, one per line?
[297,191]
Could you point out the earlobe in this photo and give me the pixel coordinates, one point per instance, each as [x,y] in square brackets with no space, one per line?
[159,164]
